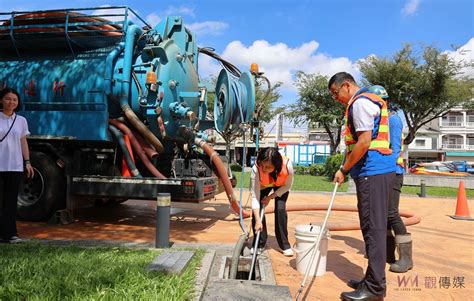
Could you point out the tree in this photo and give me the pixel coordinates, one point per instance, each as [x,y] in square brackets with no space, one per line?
[425,88]
[265,104]
[315,105]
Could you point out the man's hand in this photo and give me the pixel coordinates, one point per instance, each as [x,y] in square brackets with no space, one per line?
[339,177]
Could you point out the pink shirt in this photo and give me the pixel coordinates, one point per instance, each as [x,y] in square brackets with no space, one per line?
[11,157]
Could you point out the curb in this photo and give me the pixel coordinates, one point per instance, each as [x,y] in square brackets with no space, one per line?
[202,277]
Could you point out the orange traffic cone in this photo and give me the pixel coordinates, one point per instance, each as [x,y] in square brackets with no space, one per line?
[462,211]
[125,170]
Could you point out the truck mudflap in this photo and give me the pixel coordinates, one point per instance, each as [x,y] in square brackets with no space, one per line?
[182,190]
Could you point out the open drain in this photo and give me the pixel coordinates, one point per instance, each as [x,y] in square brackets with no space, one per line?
[262,286]
[243,269]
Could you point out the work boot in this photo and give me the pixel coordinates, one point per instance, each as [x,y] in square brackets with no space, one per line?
[361,293]
[404,245]
[354,283]
[390,248]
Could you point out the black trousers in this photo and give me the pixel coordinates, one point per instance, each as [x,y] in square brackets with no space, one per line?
[281,221]
[9,184]
[394,220]
[373,194]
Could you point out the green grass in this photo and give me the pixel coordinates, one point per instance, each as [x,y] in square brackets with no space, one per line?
[300,183]
[437,191]
[31,271]
[319,183]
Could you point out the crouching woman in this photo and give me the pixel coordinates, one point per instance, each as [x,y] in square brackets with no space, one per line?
[272,178]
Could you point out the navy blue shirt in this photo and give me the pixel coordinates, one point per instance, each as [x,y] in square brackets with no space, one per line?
[396,129]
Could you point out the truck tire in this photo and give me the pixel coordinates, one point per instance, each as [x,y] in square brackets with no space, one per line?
[41,196]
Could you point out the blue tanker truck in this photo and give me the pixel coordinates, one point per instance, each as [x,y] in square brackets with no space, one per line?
[116,108]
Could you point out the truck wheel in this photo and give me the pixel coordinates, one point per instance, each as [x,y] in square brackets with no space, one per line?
[41,196]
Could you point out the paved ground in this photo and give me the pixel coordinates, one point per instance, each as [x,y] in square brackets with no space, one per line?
[443,247]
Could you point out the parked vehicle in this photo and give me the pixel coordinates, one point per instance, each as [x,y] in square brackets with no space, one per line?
[457,165]
[436,169]
[470,167]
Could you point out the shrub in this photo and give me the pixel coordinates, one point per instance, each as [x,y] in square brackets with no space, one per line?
[316,169]
[235,167]
[300,170]
[332,165]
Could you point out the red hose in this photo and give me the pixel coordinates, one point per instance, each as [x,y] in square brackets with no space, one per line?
[147,148]
[410,218]
[138,149]
[222,173]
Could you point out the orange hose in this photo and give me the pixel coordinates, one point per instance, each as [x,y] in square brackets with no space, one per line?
[138,149]
[126,172]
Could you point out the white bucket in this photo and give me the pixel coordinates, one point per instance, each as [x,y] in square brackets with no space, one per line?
[306,237]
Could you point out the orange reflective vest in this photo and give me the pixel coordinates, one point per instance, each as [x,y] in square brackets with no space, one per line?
[400,157]
[267,181]
[381,143]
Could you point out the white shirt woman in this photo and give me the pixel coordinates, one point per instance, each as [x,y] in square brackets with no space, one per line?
[15,157]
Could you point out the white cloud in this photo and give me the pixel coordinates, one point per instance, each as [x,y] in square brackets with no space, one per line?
[208,27]
[465,55]
[280,62]
[208,66]
[410,7]
[153,19]
[179,11]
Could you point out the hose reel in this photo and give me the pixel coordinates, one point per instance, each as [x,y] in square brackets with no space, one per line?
[234,102]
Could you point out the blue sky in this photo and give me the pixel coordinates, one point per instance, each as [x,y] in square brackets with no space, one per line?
[319,36]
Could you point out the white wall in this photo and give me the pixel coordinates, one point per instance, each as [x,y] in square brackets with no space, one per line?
[427,143]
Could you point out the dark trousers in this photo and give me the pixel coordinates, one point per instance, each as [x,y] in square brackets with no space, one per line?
[394,220]
[9,185]
[281,221]
[373,194]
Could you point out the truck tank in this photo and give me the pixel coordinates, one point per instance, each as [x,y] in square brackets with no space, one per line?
[106,95]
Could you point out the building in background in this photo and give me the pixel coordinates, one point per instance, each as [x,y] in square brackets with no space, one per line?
[301,146]
[448,138]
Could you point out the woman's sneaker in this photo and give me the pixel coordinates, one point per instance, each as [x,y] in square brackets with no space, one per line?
[15,240]
[288,252]
[259,251]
